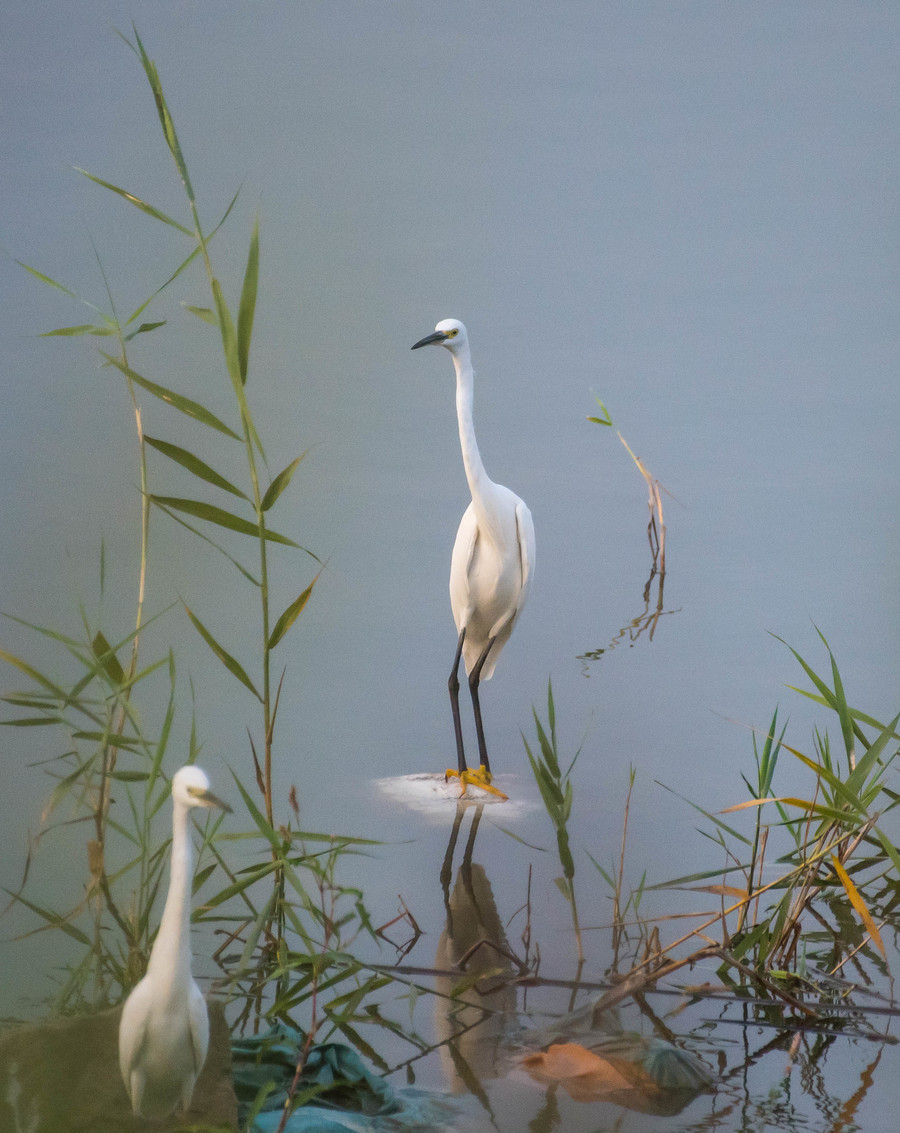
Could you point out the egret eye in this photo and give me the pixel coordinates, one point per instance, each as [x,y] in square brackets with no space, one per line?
[452,333]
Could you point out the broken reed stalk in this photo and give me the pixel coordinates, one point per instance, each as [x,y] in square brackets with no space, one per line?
[656,527]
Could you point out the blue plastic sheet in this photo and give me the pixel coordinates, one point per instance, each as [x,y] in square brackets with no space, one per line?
[348,1098]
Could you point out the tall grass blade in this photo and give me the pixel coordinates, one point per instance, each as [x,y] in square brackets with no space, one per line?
[708,814]
[204,313]
[193,464]
[46,279]
[835,782]
[158,214]
[183,404]
[53,920]
[30,671]
[843,712]
[145,328]
[107,658]
[165,117]
[224,656]
[222,518]
[280,482]
[206,539]
[860,773]
[859,904]
[82,329]
[247,307]
[290,615]
[232,361]
[30,721]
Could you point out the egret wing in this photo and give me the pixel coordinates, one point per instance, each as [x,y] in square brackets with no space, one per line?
[132,1034]
[525,532]
[200,1027]
[199,1024]
[460,565]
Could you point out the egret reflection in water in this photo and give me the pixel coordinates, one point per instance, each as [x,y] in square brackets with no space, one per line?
[472,1025]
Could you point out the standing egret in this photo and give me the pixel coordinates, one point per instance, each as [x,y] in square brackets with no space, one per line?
[493,558]
[164,1030]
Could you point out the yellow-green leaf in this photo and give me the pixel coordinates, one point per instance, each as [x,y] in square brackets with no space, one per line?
[136,201]
[107,658]
[176,400]
[280,482]
[203,313]
[247,307]
[193,464]
[84,328]
[220,517]
[224,656]
[859,904]
[290,615]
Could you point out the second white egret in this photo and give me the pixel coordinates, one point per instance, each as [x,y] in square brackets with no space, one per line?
[493,558]
[164,1029]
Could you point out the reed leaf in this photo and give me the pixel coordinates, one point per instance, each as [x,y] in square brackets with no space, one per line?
[224,656]
[859,904]
[53,920]
[194,465]
[263,826]
[833,781]
[247,307]
[30,671]
[165,117]
[46,279]
[232,360]
[708,814]
[200,535]
[184,404]
[204,313]
[280,482]
[104,653]
[290,615]
[175,274]
[221,518]
[30,721]
[84,328]
[144,328]
[156,213]
[860,773]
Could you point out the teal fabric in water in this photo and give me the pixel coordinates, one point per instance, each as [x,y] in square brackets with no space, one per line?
[348,1098]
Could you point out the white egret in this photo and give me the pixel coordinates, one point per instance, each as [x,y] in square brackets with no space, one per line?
[493,558]
[164,1030]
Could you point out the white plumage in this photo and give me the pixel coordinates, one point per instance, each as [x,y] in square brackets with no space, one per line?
[164,1029]
[493,556]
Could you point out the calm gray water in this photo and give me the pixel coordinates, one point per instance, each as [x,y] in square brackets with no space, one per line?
[686,210]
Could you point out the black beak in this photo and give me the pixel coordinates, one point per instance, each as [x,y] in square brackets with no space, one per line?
[438,336]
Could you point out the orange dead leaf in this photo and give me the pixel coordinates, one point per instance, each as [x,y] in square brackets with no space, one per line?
[721,890]
[859,904]
[582,1074]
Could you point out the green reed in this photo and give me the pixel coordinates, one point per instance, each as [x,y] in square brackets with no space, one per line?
[834,886]
[111,765]
[285,924]
[556,790]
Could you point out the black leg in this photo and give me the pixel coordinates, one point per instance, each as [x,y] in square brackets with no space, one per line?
[474,678]
[453,685]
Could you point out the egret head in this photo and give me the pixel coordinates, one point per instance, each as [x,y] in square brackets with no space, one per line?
[449,332]
[190,787]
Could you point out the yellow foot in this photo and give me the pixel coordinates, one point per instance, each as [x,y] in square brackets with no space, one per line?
[480,779]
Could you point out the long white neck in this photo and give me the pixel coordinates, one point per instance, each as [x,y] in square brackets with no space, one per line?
[171,954]
[465,377]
